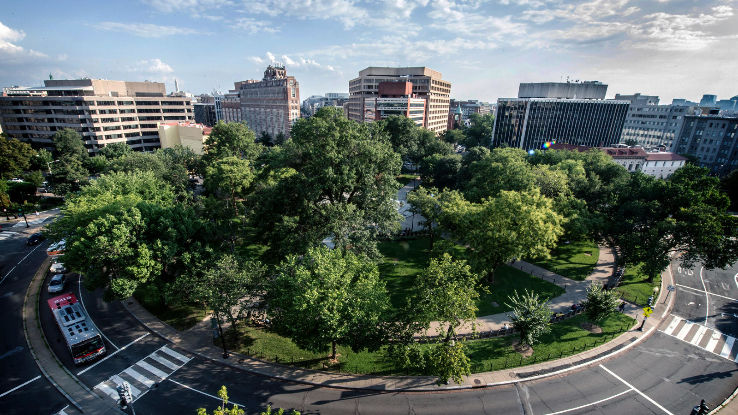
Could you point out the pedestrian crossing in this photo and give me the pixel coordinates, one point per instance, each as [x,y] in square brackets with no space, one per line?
[7,235]
[703,337]
[34,222]
[145,373]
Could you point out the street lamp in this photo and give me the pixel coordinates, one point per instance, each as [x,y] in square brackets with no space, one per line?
[48,164]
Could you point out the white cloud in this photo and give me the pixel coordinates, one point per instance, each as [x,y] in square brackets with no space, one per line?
[151,66]
[10,52]
[345,11]
[253,26]
[146,29]
[168,6]
[291,62]
[676,32]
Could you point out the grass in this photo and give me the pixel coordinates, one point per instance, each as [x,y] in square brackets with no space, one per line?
[406,178]
[564,339]
[180,317]
[634,286]
[574,260]
[405,260]
[507,281]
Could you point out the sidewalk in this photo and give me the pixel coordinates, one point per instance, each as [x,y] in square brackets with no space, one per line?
[198,341]
[78,395]
[576,292]
[19,224]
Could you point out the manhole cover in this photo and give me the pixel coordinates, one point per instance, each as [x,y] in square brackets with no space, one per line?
[477,382]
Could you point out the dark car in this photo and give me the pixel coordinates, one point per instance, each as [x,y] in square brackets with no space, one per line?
[35,239]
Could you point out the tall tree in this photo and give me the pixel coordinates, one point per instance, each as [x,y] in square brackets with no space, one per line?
[730,187]
[115,150]
[229,140]
[441,171]
[600,302]
[333,179]
[229,179]
[15,156]
[479,132]
[502,169]
[223,408]
[530,316]
[498,230]
[328,298]
[68,172]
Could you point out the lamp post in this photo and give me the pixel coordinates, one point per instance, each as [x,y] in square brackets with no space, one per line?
[48,164]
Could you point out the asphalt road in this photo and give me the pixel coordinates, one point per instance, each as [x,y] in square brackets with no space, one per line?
[18,263]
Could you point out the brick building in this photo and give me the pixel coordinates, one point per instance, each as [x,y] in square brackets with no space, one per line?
[271,105]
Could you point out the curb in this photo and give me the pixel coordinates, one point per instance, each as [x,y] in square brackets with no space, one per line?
[39,273]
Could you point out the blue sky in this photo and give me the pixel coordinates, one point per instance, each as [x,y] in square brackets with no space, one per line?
[670,48]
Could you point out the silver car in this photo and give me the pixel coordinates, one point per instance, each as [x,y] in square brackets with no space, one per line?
[57,268]
[57,283]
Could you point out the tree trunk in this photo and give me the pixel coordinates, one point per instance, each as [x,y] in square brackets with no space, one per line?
[333,350]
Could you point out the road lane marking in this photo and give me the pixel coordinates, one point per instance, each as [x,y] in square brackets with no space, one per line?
[153,370]
[716,336]
[170,352]
[635,390]
[11,270]
[590,404]
[164,361]
[698,336]
[20,386]
[79,286]
[685,329]
[727,347]
[673,325]
[119,381]
[707,297]
[703,292]
[204,393]
[139,377]
[108,390]
[111,355]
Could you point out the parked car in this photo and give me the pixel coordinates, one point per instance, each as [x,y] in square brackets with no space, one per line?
[35,239]
[57,268]
[56,248]
[57,283]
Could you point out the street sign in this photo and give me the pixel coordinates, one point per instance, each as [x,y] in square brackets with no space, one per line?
[647,311]
[671,288]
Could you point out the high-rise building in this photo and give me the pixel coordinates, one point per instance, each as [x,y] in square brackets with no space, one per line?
[205,113]
[712,139]
[426,84]
[547,113]
[460,111]
[395,98]
[708,100]
[102,111]
[271,105]
[651,124]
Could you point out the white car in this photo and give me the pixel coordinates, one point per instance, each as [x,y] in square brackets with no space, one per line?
[57,283]
[57,268]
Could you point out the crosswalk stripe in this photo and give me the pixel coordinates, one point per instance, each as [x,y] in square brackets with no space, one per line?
[155,371]
[673,325]
[698,336]
[119,381]
[139,377]
[164,361]
[716,336]
[685,329]
[107,390]
[729,340]
[170,352]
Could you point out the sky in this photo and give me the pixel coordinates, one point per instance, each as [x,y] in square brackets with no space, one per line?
[669,48]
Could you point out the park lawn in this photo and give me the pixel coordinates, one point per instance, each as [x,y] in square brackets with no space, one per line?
[404,260]
[509,280]
[180,317]
[634,286]
[564,339]
[405,178]
[574,260]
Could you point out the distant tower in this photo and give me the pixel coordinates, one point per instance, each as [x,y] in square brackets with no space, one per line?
[176,87]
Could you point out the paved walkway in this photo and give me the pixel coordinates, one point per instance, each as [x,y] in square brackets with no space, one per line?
[78,395]
[575,293]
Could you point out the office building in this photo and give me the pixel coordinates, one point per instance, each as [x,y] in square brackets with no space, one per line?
[102,111]
[205,113]
[187,134]
[650,124]
[426,84]
[708,100]
[315,102]
[712,139]
[395,98]
[547,113]
[272,104]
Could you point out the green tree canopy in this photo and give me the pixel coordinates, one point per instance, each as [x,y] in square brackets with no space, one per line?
[229,178]
[331,179]
[115,150]
[479,132]
[502,169]
[15,156]
[600,302]
[69,172]
[441,171]
[328,298]
[530,316]
[231,140]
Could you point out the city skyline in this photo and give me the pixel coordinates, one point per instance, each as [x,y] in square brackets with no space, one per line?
[485,49]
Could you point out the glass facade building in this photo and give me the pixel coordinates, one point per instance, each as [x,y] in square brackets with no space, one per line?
[528,123]
[713,140]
